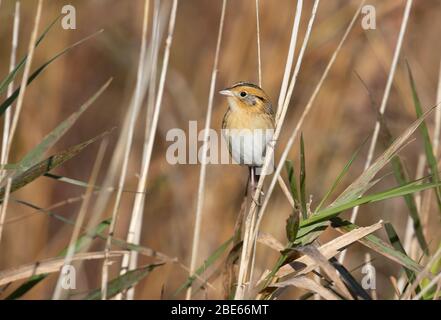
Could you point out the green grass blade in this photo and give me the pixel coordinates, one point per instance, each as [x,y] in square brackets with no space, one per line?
[36,171]
[5,82]
[430,156]
[373,242]
[402,178]
[332,212]
[37,153]
[82,241]
[292,225]
[302,178]
[8,102]
[409,199]
[307,234]
[122,244]
[292,181]
[123,282]
[207,263]
[363,182]
[340,176]
[396,243]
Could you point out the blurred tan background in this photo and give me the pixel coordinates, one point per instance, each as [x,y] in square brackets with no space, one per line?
[339,122]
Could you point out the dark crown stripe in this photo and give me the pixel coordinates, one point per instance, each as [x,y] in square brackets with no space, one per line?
[247,84]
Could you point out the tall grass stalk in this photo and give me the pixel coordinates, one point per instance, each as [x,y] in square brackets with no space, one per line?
[259,216]
[383,105]
[13,58]
[4,206]
[290,57]
[134,233]
[59,292]
[411,288]
[7,118]
[203,171]
[158,102]
[435,280]
[111,175]
[437,128]
[24,79]
[423,199]
[427,196]
[137,99]
[410,243]
[302,118]
[248,217]
[259,58]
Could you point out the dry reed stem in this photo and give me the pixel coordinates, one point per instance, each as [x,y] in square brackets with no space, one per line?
[158,102]
[157,108]
[24,79]
[410,240]
[411,288]
[134,234]
[428,287]
[4,206]
[201,187]
[48,266]
[59,293]
[243,267]
[103,196]
[427,198]
[437,128]
[293,82]
[286,99]
[308,284]
[13,58]
[383,103]
[330,249]
[136,105]
[7,118]
[284,106]
[302,118]
[259,58]
[324,264]
[289,57]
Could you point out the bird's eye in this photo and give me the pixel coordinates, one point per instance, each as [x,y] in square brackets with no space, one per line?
[243,94]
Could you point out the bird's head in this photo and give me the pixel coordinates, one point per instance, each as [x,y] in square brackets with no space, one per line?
[245,96]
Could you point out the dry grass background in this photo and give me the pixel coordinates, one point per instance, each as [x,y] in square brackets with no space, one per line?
[341,119]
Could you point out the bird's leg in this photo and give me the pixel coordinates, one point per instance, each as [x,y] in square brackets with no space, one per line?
[253,182]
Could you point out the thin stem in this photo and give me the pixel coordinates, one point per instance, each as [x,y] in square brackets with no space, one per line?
[303,116]
[437,129]
[411,288]
[383,105]
[259,58]
[250,217]
[290,57]
[427,199]
[201,188]
[7,121]
[59,292]
[134,234]
[136,105]
[4,206]
[24,79]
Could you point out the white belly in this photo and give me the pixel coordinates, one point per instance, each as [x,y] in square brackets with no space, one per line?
[248,147]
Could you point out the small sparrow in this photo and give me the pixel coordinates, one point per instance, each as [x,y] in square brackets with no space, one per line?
[248,125]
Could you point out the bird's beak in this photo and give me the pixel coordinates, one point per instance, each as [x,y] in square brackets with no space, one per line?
[226,92]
